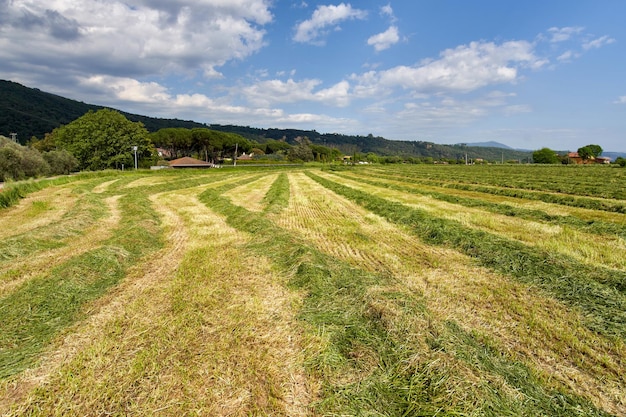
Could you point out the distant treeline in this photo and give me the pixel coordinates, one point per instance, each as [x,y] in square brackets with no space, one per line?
[30,112]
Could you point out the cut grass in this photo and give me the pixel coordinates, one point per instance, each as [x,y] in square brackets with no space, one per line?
[33,314]
[304,302]
[597,291]
[541,333]
[216,338]
[362,350]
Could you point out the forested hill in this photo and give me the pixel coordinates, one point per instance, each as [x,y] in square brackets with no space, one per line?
[378,145]
[31,112]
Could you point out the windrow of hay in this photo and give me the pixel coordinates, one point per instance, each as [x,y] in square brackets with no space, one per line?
[251,195]
[609,251]
[22,269]
[200,328]
[520,320]
[104,186]
[36,210]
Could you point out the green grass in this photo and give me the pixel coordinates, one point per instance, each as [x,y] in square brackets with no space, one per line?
[599,292]
[40,309]
[367,354]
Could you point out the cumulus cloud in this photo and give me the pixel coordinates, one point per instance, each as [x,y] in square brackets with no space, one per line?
[565,33]
[267,93]
[387,11]
[620,100]
[311,30]
[133,38]
[384,40]
[462,69]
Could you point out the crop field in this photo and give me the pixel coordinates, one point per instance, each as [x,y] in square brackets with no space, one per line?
[315,291]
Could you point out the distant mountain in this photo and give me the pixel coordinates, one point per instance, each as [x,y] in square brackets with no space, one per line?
[614,155]
[31,112]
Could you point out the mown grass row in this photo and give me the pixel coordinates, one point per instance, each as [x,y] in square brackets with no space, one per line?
[598,292]
[36,312]
[592,181]
[595,227]
[615,206]
[366,338]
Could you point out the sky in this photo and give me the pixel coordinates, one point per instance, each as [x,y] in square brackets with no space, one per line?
[526,73]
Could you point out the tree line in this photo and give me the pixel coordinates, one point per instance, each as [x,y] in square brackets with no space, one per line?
[106,139]
[586,153]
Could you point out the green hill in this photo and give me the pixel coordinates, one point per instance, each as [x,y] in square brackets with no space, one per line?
[31,112]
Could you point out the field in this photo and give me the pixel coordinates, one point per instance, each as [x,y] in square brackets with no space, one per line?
[322,291]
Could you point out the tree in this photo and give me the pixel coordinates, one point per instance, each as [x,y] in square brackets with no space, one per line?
[103,139]
[590,152]
[18,162]
[60,162]
[621,161]
[545,156]
[301,152]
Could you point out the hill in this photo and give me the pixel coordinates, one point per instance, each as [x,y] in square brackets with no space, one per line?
[31,112]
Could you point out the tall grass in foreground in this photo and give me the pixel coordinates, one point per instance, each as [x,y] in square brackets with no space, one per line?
[376,348]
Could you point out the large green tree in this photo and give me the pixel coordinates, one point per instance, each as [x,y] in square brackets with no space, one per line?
[103,139]
[545,156]
[590,151]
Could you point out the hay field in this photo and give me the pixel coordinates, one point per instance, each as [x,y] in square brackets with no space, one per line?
[334,291]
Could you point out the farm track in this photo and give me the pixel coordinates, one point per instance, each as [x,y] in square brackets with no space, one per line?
[275,294]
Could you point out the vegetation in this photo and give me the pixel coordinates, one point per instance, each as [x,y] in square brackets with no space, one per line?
[19,162]
[367,290]
[545,156]
[103,139]
[590,151]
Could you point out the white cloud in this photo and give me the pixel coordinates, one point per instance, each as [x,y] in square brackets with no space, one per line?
[568,56]
[385,39]
[132,38]
[564,34]
[462,69]
[267,93]
[598,43]
[387,10]
[620,100]
[323,17]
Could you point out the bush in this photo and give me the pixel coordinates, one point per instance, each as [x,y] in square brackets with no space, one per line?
[60,162]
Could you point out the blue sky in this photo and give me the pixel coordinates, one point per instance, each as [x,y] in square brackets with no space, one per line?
[527,73]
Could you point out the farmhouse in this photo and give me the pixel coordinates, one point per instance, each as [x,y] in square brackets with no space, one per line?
[577,159]
[188,162]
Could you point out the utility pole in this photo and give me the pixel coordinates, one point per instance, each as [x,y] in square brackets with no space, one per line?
[235,158]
